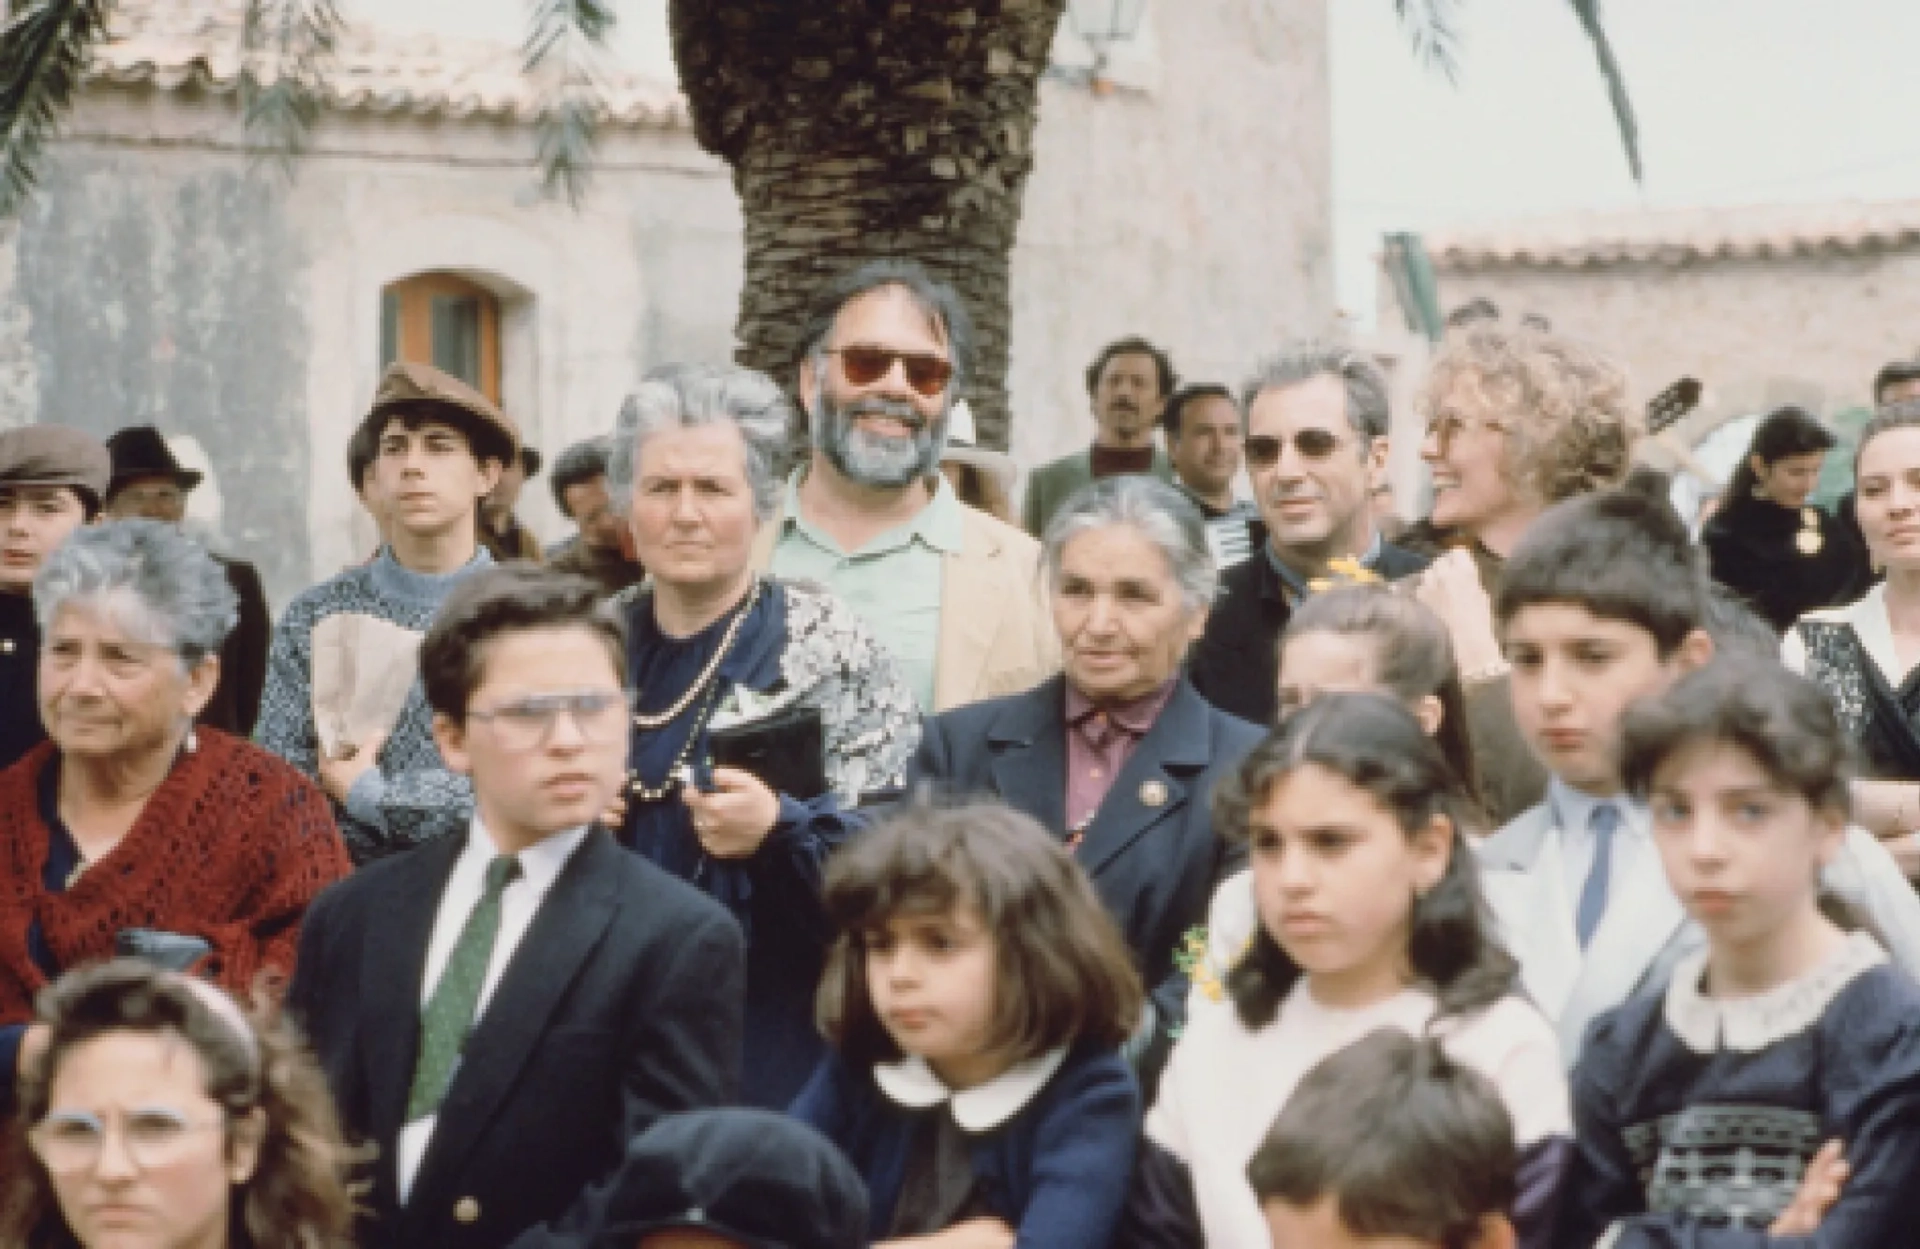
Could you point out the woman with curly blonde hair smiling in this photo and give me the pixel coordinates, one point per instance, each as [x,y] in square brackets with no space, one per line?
[155,1112]
[1517,420]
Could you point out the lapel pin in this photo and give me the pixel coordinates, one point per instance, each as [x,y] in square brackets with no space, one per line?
[6,646]
[1153,794]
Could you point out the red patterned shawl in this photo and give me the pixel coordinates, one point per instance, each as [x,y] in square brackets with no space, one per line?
[231,848]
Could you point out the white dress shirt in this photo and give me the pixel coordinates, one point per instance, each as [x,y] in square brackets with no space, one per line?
[540,866]
[1573,824]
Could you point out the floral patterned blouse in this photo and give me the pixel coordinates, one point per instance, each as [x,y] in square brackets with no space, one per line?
[790,644]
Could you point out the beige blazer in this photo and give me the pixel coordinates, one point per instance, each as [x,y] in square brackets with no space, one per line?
[996,629]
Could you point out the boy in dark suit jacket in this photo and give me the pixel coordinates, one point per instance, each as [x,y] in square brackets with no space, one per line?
[500,1012]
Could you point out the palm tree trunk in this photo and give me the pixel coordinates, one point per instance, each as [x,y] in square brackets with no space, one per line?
[865,128]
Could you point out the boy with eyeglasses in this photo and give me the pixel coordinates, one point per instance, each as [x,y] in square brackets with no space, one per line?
[1317,419]
[499,1012]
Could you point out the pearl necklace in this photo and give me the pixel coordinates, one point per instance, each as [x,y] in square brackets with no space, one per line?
[661,719]
[678,773]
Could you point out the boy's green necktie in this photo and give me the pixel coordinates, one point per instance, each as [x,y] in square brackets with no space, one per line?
[448,1018]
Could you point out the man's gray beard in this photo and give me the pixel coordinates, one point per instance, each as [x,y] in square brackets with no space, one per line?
[872,460]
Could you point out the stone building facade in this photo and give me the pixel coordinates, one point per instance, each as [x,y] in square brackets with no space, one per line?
[165,274]
[1770,300]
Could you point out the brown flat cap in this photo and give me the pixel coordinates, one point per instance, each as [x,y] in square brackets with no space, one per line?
[410,386]
[55,455]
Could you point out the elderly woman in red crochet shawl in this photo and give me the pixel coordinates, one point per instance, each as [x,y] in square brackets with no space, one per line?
[129,818]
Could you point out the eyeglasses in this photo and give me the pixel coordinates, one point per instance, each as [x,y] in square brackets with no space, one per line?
[600,716]
[68,1142]
[1263,450]
[926,373]
[1443,429]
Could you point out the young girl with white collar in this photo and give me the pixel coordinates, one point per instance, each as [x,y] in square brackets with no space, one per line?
[1369,916]
[1773,1089]
[976,997]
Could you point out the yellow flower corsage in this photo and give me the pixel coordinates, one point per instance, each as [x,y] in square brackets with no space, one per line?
[1344,571]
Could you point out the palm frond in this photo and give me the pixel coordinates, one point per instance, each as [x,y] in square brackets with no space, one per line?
[43,56]
[288,47]
[1433,26]
[1588,11]
[563,53]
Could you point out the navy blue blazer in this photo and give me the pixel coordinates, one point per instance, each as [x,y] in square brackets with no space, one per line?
[1151,848]
[1056,1171]
[620,1004]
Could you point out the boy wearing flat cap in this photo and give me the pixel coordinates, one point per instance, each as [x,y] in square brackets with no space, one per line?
[52,480]
[343,701]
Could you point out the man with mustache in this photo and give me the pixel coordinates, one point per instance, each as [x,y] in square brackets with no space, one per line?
[1128,384]
[954,594]
[1317,421]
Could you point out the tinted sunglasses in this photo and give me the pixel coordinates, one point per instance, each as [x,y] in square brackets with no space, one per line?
[928,374]
[1263,450]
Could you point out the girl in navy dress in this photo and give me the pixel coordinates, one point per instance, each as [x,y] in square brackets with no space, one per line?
[1773,1090]
[977,996]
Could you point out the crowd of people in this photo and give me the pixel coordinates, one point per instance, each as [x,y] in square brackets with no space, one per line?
[814,851]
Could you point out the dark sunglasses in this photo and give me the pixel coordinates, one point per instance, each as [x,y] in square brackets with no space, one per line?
[1263,450]
[927,374]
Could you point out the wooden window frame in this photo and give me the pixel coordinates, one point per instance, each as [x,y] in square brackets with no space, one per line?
[414,297]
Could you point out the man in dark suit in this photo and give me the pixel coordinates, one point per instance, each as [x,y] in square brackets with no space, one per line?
[148,481]
[1316,446]
[500,1012]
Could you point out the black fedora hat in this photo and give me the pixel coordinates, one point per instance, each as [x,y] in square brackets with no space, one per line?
[140,451]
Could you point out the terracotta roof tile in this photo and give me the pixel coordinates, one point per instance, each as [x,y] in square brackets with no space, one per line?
[175,44]
[1678,236]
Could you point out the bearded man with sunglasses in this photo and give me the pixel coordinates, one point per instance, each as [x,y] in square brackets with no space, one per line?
[953,593]
[1317,420]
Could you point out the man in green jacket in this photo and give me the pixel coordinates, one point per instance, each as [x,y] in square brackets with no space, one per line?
[1128,383]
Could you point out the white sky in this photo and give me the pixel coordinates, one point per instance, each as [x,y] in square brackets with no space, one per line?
[1739,101]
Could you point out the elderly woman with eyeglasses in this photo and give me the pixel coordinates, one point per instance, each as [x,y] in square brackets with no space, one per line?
[161,1115]
[1119,754]
[130,828]
[1517,421]
[744,684]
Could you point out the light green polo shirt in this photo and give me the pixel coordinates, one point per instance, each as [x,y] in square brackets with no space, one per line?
[893,582]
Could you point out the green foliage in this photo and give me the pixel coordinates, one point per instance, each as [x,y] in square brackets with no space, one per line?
[1433,26]
[288,46]
[563,52]
[43,54]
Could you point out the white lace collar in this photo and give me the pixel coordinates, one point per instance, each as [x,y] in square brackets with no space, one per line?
[1746,1024]
[910,1082]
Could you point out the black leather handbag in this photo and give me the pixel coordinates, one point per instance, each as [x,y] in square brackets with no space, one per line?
[787,751]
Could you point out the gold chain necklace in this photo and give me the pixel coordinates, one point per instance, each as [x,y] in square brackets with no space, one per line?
[661,719]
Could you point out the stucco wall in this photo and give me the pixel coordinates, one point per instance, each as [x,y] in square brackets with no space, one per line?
[169,279]
[162,276]
[1198,214]
[1830,320]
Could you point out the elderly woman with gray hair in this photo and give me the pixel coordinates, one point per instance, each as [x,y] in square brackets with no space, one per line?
[764,710]
[1119,754]
[130,830]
